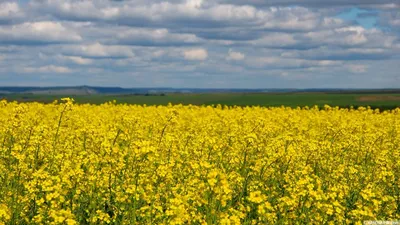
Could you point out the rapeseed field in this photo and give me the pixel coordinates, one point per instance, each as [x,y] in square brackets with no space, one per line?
[65,163]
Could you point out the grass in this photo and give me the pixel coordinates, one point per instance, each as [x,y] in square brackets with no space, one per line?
[239,99]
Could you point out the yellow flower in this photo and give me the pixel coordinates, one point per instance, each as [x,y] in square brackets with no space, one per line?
[5,213]
[73,163]
[256,197]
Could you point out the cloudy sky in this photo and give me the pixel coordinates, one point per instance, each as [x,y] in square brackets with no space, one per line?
[201,43]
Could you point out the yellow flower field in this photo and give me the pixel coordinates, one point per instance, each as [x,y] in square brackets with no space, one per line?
[123,164]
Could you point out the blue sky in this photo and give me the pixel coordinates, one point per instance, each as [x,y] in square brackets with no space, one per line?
[198,43]
[358,16]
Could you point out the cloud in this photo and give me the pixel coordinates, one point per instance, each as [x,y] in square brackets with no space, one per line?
[347,36]
[395,22]
[311,3]
[298,19]
[49,57]
[348,54]
[391,19]
[275,40]
[79,60]
[351,36]
[98,50]
[389,5]
[287,63]
[197,42]
[235,56]
[191,14]
[8,8]
[36,33]
[155,37]
[357,68]
[9,11]
[81,10]
[153,12]
[47,69]
[284,74]
[197,54]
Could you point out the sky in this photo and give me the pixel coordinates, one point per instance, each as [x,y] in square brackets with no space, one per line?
[201,44]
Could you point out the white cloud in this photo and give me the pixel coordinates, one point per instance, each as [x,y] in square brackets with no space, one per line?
[198,54]
[68,8]
[38,33]
[110,12]
[388,6]
[310,3]
[292,18]
[142,36]
[47,69]
[9,10]
[193,12]
[390,19]
[285,63]
[236,56]
[248,39]
[351,36]
[284,74]
[79,60]
[393,18]
[194,3]
[275,40]
[395,22]
[357,68]
[158,53]
[98,50]
[357,53]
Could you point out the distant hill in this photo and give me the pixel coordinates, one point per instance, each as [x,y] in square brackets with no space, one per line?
[89,90]
[78,90]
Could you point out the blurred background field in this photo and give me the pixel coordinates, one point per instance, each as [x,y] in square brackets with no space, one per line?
[381,100]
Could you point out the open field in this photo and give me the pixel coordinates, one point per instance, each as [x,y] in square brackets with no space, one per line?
[375,100]
[128,164]
[123,163]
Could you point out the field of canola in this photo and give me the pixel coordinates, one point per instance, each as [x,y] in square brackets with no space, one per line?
[124,164]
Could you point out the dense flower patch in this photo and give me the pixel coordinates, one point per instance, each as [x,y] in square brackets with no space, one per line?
[128,164]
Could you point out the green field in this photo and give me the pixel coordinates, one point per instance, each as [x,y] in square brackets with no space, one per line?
[382,101]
